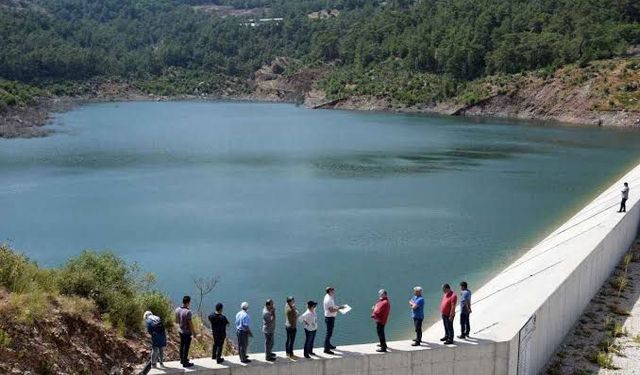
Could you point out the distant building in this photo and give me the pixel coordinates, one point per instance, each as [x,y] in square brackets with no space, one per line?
[324,14]
[253,22]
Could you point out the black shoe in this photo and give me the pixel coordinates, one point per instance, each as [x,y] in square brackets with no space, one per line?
[312,353]
[415,343]
[448,342]
[332,346]
[329,352]
[381,350]
[462,336]
[219,360]
[444,338]
[246,361]
[307,356]
[271,359]
[187,365]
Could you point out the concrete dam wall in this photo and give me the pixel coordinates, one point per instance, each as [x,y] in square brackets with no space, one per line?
[519,317]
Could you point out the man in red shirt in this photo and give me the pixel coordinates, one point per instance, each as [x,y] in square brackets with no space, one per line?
[448,311]
[380,315]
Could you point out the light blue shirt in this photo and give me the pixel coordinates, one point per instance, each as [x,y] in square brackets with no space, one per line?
[418,312]
[465,297]
[243,321]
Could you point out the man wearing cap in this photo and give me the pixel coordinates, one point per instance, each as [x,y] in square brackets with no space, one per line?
[290,325]
[269,328]
[243,330]
[417,313]
[380,315]
[330,313]
[310,323]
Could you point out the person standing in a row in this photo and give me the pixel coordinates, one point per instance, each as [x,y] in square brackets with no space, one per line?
[330,313]
[448,311]
[417,313]
[158,333]
[269,329]
[243,330]
[291,325]
[625,197]
[219,325]
[183,318]
[380,314]
[310,323]
[465,310]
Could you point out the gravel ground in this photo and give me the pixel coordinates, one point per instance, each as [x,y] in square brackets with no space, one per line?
[606,339]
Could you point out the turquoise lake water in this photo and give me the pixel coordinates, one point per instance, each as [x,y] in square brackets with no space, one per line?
[279,200]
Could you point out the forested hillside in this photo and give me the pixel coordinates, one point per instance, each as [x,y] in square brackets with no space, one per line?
[414,50]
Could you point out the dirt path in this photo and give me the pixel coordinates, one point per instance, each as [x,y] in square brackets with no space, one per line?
[606,339]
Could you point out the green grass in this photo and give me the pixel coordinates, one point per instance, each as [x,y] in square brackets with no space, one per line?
[5,339]
[602,359]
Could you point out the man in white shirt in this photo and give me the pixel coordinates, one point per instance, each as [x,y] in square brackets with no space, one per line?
[310,323]
[625,196]
[330,313]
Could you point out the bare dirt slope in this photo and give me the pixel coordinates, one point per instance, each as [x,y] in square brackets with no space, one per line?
[603,93]
[44,334]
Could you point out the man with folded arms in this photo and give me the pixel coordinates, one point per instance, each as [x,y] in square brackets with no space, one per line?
[417,313]
[291,325]
[269,329]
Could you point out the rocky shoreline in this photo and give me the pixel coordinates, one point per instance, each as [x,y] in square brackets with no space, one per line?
[31,121]
[605,93]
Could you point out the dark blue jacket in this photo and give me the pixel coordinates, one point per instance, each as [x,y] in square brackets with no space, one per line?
[158,334]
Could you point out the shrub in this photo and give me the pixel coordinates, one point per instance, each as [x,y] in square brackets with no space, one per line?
[109,282]
[160,305]
[20,275]
[124,313]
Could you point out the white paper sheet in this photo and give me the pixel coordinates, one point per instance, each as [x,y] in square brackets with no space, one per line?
[346,309]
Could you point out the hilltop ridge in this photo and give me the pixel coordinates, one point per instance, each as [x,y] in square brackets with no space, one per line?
[457,57]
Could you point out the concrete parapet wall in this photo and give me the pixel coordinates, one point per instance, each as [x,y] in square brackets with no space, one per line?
[519,317]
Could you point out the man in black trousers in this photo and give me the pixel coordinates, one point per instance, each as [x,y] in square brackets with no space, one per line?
[183,318]
[219,325]
[625,196]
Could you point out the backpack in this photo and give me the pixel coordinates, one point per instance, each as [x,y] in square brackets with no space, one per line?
[157,328]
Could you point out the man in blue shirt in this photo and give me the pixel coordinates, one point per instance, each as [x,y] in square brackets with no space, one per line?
[243,330]
[417,313]
[465,310]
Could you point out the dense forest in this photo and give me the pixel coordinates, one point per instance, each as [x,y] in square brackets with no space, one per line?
[56,44]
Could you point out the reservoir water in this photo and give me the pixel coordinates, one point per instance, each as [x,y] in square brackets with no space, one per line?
[279,200]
